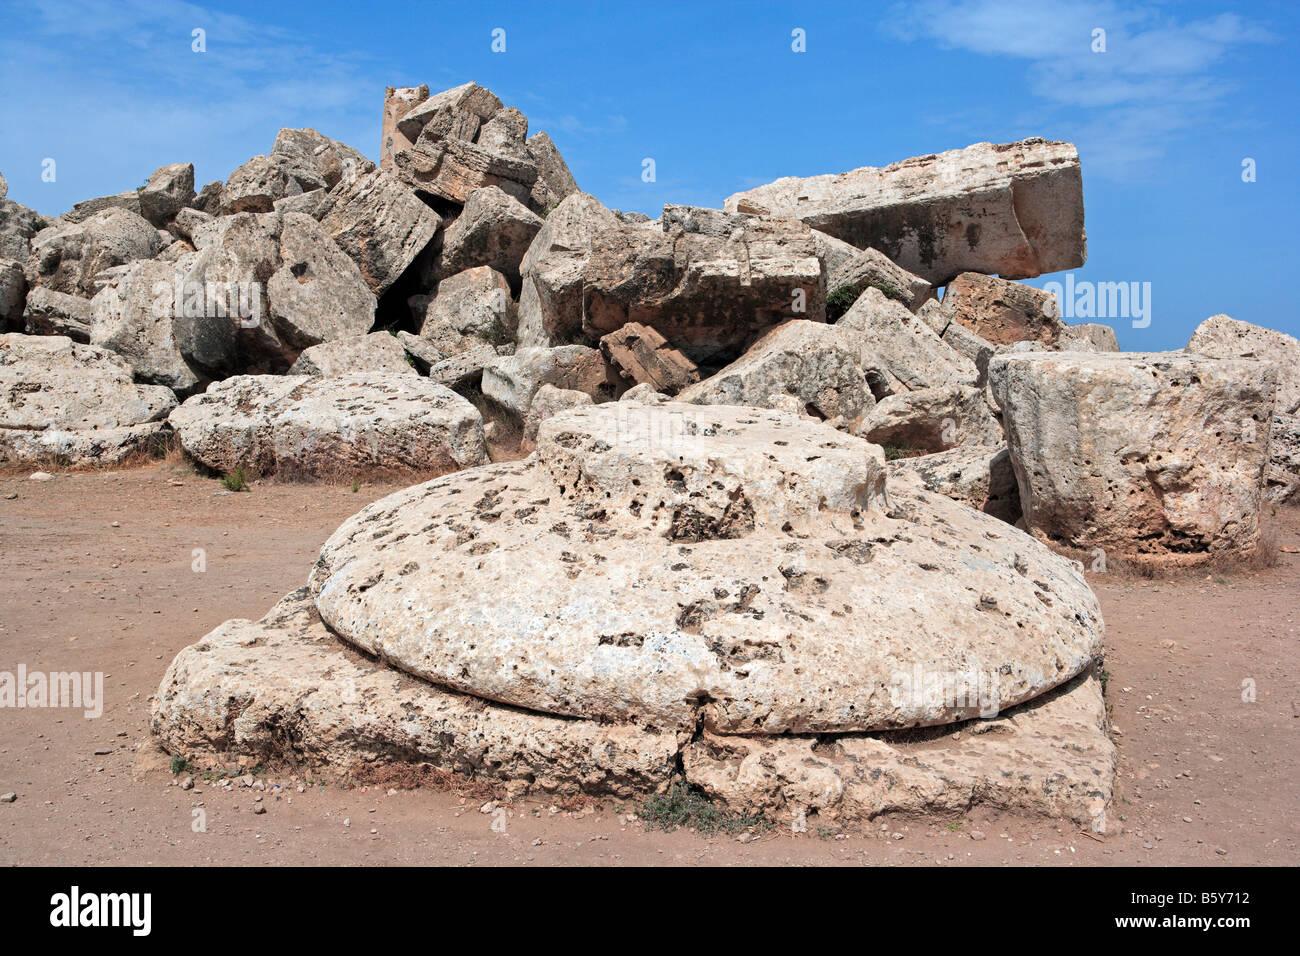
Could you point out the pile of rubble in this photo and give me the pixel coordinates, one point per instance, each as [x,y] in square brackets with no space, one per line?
[770,468]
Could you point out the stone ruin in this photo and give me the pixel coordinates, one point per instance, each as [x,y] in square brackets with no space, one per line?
[732,496]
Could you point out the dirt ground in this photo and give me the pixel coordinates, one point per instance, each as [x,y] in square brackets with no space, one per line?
[97,573]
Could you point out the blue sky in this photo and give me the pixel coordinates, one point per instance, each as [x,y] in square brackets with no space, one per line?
[1164,118]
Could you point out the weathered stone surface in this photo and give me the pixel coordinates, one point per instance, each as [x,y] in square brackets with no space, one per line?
[554,181]
[506,132]
[644,356]
[377,352]
[708,281]
[13,294]
[17,226]
[869,267]
[317,427]
[229,696]
[550,301]
[1087,337]
[492,230]
[1153,455]
[512,380]
[463,371]
[1003,312]
[80,212]
[468,97]
[232,692]
[709,566]
[547,403]
[67,256]
[1013,209]
[294,286]
[55,313]
[256,185]
[4,186]
[317,162]
[1050,756]
[60,399]
[471,308]
[1282,480]
[169,190]
[398,101]
[898,350]
[643,394]
[450,169]
[1222,336]
[137,316]
[308,203]
[379,223]
[980,476]
[186,222]
[809,361]
[931,420]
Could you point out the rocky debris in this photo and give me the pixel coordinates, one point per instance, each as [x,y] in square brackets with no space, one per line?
[13,293]
[377,352]
[468,99]
[4,186]
[68,256]
[554,181]
[550,300]
[931,420]
[256,185]
[379,223]
[471,308]
[463,372]
[1153,456]
[709,282]
[209,198]
[868,267]
[547,403]
[169,190]
[74,403]
[511,381]
[315,427]
[1013,209]
[398,101]
[724,580]
[80,212]
[291,283]
[1087,337]
[810,362]
[642,355]
[980,476]
[317,162]
[56,313]
[186,222]
[308,203]
[899,351]
[643,394]
[1003,312]
[493,230]
[450,169]
[17,226]
[1222,336]
[1282,480]
[136,316]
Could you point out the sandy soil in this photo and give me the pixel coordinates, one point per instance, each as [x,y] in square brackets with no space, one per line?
[96,574]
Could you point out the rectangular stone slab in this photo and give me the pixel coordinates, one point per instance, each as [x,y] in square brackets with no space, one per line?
[1012,209]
